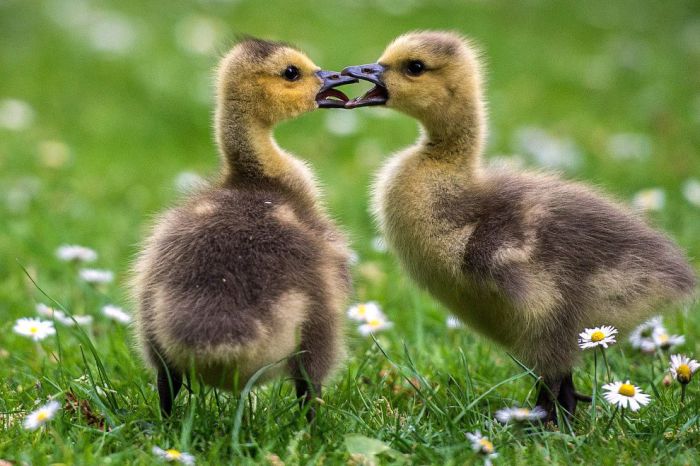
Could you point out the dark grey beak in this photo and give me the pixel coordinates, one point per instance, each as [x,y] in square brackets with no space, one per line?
[373,72]
[328,96]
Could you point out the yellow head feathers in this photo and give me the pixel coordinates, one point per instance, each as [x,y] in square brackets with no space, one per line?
[428,73]
[266,81]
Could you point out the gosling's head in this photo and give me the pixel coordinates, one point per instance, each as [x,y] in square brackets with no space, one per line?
[273,81]
[427,75]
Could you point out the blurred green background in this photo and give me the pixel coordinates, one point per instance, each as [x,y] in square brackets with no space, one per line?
[125,90]
[106,117]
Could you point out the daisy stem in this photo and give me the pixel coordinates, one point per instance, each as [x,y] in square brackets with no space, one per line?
[607,366]
[40,349]
[683,393]
[661,359]
[617,408]
[622,424]
[595,384]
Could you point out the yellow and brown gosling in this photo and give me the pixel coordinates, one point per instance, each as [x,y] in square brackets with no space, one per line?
[251,270]
[525,258]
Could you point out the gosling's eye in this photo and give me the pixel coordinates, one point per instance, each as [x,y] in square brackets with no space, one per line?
[415,68]
[292,73]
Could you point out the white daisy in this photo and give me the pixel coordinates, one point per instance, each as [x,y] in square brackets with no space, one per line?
[482,445]
[362,312]
[625,395]
[663,340]
[507,415]
[453,322]
[20,193]
[629,146]
[60,316]
[15,114]
[96,276]
[199,34]
[46,311]
[691,191]
[53,154]
[683,368]
[546,149]
[116,313]
[649,199]
[346,124]
[375,324]
[173,455]
[37,329]
[641,337]
[75,253]
[597,336]
[41,416]
[112,32]
[79,319]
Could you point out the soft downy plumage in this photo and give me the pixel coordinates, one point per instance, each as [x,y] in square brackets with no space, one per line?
[524,257]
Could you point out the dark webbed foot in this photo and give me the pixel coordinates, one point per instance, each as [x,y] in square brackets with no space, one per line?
[549,391]
[563,390]
[567,396]
[169,382]
[306,393]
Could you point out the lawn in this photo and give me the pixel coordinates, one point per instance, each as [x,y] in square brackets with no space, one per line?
[105,117]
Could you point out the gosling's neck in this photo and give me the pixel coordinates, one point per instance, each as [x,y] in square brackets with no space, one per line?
[456,134]
[250,156]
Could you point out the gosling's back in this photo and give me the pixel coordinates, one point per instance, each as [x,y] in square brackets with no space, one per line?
[527,258]
[229,277]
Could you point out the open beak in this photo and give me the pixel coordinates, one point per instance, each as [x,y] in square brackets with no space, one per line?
[328,96]
[378,95]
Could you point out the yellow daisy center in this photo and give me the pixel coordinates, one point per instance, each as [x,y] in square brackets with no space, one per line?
[33,329]
[523,412]
[597,336]
[683,373]
[626,390]
[361,310]
[172,453]
[41,416]
[663,338]
[486,446]
[374,322]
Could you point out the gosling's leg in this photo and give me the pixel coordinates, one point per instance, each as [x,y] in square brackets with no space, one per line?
[306,392]
[169,383]
[549,392]
[567,396]
[317,353]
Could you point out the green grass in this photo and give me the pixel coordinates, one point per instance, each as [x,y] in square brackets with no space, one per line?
[133,121]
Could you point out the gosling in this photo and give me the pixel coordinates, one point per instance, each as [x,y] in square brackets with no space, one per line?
[251,270]
[525,258]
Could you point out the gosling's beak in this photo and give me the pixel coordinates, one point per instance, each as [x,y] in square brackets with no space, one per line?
[378,95]
[327,96]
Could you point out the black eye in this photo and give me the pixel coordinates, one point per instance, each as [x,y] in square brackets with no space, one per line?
[291,73]
[415,67]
